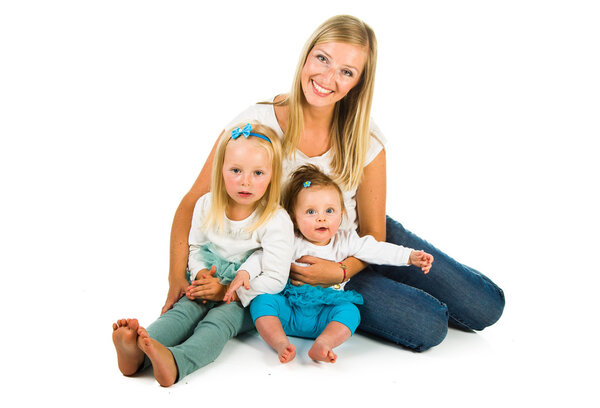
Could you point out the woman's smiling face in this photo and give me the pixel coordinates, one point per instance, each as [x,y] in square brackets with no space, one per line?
[331,71]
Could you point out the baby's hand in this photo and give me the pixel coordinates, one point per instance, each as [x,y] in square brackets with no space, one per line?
[422,260]
[241,278]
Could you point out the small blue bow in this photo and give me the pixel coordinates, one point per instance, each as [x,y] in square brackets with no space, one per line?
[306,184]
[235,133]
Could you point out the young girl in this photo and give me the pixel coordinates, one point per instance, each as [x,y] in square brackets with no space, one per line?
[315,204]
[238,216]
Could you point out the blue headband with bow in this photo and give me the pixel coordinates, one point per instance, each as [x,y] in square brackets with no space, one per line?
[245,131]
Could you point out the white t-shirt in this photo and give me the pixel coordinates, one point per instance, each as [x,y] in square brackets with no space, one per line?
[341,246]
[265,114]
[275,238]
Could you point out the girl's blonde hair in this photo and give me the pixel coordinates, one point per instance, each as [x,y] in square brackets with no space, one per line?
[349,132]
[269,203]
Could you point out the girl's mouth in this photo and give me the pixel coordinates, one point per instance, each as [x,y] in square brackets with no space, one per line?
[244,194]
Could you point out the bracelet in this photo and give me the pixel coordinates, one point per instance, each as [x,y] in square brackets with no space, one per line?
[343,270]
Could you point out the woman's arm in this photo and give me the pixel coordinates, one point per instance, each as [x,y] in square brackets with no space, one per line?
[179,249]
[370,206]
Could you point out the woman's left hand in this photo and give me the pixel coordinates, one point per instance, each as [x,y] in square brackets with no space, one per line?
[319,272]
[206,287]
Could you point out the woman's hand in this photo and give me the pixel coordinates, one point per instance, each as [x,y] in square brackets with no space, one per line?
[206,287]
[176,291]
[319,272]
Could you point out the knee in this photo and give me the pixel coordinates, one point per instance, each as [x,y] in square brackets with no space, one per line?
[483,313]
[432,329]
[264,305]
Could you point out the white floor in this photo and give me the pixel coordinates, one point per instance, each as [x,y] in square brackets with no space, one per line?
[108,110]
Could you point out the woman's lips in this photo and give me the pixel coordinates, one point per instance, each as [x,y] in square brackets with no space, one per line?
[319,90]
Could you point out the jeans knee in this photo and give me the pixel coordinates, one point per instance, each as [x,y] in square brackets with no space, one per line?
[486,313]
[433,330]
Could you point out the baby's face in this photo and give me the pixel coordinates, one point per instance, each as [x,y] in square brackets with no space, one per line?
[318,214]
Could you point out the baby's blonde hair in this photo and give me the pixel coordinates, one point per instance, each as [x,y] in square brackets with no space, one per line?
[269,203]
[350,128]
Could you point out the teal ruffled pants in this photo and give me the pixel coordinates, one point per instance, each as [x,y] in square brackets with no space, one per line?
[196,333]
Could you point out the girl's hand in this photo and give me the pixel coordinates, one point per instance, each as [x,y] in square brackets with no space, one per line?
[422,260]
[176,292]
[206,287]
[319,272]
[241,278]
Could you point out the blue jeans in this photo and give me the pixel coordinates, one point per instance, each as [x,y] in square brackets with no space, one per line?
[405,306]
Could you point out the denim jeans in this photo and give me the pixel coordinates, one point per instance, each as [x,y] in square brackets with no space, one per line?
[405,306]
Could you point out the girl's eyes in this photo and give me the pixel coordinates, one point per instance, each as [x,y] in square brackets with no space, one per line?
[259,172]
[236,171]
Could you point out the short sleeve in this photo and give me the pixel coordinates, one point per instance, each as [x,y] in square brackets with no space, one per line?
[376,144]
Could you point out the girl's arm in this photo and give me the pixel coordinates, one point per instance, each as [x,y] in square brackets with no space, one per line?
[180,231]
[370,206]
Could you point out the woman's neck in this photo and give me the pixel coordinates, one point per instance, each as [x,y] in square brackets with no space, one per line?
[314,140]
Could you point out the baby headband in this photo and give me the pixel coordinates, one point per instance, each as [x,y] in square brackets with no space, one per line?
[245,131]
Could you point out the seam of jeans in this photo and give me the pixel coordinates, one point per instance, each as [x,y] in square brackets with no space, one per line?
[397,339]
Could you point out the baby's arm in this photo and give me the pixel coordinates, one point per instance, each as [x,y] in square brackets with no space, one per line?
[422,260]
[384,253]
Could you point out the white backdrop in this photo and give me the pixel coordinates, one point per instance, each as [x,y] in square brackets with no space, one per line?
[108,110]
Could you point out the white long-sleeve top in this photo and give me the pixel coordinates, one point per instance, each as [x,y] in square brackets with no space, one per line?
[275,239]
[341,246]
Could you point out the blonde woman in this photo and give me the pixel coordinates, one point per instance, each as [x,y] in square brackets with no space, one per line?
[325,120]
[240,215]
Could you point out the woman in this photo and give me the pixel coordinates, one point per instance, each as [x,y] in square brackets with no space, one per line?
[325,120]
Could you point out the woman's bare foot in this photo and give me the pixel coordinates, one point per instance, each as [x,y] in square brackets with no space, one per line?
[163,363]
[286,352]
[129,356]
[320,351]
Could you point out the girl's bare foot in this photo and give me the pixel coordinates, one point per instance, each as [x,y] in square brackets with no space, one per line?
[320,351]
[163,363]
[129,356]
[286,352]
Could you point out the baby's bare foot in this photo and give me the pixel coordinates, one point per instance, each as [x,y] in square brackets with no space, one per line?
[286,352]
[163,363]
[322,352]
[129,356]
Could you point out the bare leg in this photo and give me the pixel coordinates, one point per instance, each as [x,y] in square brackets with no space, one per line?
[163,363]
[334,334]
[129,356]
[270,329]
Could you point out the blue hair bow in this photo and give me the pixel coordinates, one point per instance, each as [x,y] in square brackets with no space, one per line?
[245,131]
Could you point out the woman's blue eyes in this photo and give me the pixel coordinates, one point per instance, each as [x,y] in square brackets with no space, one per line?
[345,72]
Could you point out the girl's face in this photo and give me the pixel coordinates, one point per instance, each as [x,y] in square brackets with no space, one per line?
[318,213]
[331,71]
[246,172]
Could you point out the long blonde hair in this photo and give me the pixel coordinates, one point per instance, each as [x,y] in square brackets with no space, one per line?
[349,132]
[269,203]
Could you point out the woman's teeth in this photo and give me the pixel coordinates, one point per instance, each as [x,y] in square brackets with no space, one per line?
[320,89]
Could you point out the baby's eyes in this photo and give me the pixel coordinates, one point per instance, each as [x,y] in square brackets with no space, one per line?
[330,211]
[310,211]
